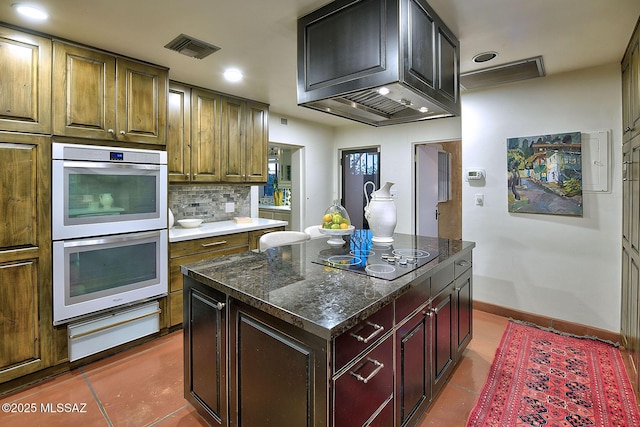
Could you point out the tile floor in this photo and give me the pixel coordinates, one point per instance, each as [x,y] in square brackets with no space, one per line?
[144,387]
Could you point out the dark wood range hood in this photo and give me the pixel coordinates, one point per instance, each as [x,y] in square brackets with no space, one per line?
[379,62]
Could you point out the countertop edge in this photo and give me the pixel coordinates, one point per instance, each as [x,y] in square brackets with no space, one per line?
[309,325]
[221,228]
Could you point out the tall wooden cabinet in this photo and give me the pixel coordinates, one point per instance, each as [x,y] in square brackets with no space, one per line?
[227,139]
[101,96]
[25,82]
[25,255]
[630,311]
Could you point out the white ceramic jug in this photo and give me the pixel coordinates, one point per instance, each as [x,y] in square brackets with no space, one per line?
[380,212]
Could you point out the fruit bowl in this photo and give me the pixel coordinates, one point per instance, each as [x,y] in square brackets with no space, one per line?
[336,235]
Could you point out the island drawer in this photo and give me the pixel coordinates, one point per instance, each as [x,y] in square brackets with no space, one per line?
[207,244]
[462,264]
[417,295]
[441,279]
[365,387]
[363,335]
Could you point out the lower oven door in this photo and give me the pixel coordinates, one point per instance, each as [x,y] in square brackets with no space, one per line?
[96,274]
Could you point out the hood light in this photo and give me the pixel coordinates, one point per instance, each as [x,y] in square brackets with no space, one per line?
[423,109]
[31,11]
[383,91]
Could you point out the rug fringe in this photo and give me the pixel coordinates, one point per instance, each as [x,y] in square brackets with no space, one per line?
[566,334]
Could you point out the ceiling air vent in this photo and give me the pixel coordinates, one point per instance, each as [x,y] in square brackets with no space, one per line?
[192,47]
[506,73]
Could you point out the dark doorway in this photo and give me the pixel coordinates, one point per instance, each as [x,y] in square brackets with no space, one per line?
[358,167]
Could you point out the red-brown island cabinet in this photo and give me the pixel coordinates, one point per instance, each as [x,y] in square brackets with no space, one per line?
[246,367]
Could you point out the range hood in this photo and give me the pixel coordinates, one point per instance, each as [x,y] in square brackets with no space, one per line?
[379,62]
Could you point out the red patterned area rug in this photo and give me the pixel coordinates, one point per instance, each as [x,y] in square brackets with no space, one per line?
[544,378]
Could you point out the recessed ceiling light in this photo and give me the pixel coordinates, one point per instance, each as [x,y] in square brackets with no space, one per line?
[31,11]
[484,57]
[233,75]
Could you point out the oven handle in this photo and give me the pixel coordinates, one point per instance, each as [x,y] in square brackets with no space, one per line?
[110,239]
[106,165]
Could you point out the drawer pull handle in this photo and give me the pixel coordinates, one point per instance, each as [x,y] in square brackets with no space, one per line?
[463,263]
[373,373]
[377,330]
[221,242]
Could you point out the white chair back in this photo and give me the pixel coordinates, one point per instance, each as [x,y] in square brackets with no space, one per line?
[280,238]
[314,232]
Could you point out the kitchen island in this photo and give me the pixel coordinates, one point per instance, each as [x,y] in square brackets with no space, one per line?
[293,337]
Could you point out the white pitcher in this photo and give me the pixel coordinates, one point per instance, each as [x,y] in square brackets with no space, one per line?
[106,199]
[380,212]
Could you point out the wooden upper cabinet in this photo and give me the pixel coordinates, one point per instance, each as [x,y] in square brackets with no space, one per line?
[25,82]
[179,133]
[227,140]
[245,140]
[205,135]
[97,95]
[257,140]
[233,140]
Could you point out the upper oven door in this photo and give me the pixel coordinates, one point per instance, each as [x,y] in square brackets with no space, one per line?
[101,198]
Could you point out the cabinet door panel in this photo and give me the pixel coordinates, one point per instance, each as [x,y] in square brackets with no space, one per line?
[25,85]
[463,309]
[18,199]
[142,102]
[257,142]
[19,320]
[83,92]
[205,351]
[179,133]
[443,339]
[413,376]
[233,140]
[272,393]
[205,135]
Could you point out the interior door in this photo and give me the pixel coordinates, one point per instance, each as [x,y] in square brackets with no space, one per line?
[358,167]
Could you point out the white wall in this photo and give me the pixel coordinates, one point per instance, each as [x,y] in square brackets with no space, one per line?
[562,267]
[396,155]
[317,156]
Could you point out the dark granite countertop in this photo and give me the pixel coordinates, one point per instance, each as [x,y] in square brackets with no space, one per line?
[286,282]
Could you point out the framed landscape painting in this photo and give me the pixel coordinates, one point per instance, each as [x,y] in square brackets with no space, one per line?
[544,174]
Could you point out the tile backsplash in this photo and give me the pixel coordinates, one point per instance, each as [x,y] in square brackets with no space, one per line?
[208,201]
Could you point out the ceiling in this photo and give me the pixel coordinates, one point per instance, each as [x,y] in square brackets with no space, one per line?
[259,37]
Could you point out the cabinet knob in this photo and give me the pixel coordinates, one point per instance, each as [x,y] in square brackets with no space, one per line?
[111,131]
[220,306]
[122,132]
[627,129]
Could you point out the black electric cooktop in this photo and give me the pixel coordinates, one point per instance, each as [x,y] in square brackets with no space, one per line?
[386,261]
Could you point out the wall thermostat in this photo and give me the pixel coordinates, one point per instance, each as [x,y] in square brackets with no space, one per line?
[474,174]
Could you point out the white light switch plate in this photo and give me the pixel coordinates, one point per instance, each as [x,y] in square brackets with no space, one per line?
[479,199]
[229,207]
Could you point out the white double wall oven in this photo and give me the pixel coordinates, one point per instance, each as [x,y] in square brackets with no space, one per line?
[109,228]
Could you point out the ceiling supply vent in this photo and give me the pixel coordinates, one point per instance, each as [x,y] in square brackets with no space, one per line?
[507,73]
[192,47]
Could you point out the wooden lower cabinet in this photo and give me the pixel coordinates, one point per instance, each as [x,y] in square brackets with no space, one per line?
[413,373]
[277,372]
[193,251]
[205,352]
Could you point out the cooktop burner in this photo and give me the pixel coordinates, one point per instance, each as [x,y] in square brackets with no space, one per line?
[383,261]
